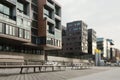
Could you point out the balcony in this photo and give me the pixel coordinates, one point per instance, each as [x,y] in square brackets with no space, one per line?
[57,17]
[23,15]
[7,20]
[12,1]
[49,19]
[50,4]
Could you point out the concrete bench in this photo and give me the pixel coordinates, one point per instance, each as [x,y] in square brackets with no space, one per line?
[21,67]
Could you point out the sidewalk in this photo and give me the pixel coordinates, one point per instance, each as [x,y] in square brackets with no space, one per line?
[112,74]
[86,74]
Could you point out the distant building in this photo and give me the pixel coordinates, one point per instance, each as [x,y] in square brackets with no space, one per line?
[117,54]
[105,46]
[92,41]
[75,39]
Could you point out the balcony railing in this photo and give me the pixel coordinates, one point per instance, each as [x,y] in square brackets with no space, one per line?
[50,5]
[49,19]
[7,20]
[12,1]
[57,17]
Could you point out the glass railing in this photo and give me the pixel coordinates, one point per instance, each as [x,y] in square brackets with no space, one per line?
[26,16]
[7,19]
[12,1]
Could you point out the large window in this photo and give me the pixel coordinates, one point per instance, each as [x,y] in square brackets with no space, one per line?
[27,35]
[0,27]
[20,6]
[7,29]
[11,30]
[1,8]
[5,10]
[20,32]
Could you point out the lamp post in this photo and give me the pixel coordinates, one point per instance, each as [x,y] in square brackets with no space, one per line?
[97,57]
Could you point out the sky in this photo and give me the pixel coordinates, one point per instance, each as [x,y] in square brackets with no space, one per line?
[101,15]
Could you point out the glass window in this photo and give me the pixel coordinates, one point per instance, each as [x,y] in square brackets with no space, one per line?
[10,30]
[0,27]
[46,12]
[20,6]
[13,31]
[1,8]
[27,35]
[7,29]
[16,32]
[6,10]
[52,41]
[20,32]
[48,40]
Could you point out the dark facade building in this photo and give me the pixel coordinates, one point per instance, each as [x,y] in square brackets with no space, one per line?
[92,41]
[30,26]
[75,39]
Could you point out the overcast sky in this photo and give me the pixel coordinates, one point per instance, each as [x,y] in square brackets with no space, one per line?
[101,15]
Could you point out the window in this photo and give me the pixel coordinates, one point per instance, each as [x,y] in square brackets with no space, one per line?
[4,9]
[1,8]
[27,35]
[78,24]
[57,43]
[34,24]
[10,27]
[7,29]
[13,31]
[0,27]
[20,32]
[20,6]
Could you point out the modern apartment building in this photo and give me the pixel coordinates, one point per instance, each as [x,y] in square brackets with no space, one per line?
[75,39]
[105,46]
[49,29]
[30,26]
[92,41]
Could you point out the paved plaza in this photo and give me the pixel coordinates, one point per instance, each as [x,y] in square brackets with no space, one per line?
[95,73]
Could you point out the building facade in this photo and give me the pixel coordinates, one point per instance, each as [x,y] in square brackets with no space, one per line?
[105,46]
[75,39]
[30,26]
[50,24]
[92,41]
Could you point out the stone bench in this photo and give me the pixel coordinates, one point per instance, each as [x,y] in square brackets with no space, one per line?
[21,67]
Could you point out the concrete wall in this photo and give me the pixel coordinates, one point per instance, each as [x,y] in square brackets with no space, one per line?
[37,57]
[62,59]
[26,56]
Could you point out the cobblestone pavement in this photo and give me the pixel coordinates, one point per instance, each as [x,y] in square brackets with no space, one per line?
[60,75]
[113,74]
